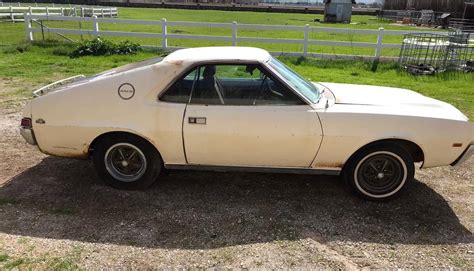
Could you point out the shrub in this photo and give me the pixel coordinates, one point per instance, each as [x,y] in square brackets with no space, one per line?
[99,47]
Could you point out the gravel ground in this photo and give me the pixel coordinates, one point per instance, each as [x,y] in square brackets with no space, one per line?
[56,214]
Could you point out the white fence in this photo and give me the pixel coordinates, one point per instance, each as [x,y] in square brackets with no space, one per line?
[16,13]
[233,39]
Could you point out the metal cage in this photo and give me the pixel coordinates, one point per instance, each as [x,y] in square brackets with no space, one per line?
[427,53]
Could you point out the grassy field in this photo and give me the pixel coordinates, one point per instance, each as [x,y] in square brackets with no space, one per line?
[14,33]
[29,66]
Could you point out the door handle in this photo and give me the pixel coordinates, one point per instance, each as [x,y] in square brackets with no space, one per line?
[197,120]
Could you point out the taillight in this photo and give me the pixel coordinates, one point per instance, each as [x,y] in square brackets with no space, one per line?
[26,122]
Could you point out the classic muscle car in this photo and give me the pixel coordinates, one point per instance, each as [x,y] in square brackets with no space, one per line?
[238,108]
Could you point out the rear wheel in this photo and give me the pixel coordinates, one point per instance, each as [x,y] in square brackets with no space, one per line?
[127,161]
[380,172]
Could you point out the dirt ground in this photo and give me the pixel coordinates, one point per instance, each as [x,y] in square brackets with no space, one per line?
[55,214]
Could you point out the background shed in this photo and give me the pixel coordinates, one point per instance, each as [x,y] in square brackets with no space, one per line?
[338,11]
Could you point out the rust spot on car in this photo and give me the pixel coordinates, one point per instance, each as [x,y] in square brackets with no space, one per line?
[82,156]
[69,152]
[330,165]
[175,62]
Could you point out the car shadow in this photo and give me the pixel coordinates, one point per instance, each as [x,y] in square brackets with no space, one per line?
[63,199]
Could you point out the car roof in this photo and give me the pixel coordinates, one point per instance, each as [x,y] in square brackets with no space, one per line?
[224,53]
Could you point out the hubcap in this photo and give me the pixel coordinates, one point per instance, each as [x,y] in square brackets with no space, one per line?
[380,174]
[125,162]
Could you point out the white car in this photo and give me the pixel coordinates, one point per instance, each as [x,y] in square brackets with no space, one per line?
[238,108]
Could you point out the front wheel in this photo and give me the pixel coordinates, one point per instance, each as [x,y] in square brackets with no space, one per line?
[127,161]
[379,173]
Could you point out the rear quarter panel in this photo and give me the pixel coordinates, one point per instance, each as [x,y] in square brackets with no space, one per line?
[76,116]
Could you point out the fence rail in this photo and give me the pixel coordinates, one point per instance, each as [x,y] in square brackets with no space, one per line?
[464,25]
[16,13]
[233,39]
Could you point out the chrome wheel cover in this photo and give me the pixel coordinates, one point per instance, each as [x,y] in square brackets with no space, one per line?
[125,162]
[380,174]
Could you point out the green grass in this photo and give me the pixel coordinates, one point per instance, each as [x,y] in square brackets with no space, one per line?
[63,211]
[4,201]
[13,33]
[16,263]
[3,257]
[55,263]
[46,262]
[39,64]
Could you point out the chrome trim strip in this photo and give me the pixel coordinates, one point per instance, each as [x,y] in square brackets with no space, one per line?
[315,171]
[44,89]
[28,135]
[464,156]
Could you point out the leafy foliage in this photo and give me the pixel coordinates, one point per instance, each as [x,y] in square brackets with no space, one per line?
[100,47]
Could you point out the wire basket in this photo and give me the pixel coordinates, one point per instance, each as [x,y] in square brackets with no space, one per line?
[428,53]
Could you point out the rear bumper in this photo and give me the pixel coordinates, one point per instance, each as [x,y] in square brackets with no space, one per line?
[28,135]
[464,156]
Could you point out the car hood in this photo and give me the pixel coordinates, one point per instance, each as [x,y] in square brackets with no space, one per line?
[393,101]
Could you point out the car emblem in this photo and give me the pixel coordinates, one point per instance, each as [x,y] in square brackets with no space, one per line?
[40,121]
[126,91]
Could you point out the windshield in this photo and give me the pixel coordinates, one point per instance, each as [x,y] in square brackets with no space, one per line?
[303,86]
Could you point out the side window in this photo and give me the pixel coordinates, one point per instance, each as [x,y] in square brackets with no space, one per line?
[242,84]
[206,89]
[179,92]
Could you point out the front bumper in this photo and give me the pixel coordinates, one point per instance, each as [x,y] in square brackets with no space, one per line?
[28,135]
[464,156]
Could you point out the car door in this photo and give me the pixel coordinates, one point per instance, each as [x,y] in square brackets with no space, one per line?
[241,115]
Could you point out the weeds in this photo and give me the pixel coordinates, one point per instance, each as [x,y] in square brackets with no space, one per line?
[100,47]
[3,257]
[4,201]
[16,263]
[62,211]
[13,49]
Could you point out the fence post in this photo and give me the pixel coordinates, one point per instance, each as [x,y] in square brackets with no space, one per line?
[164,34]
[305,41]
[82,12]
[102,12]
[11,14]
[378,49]
[62,11]
[95,25]
[47,11]
[30,10]
[29,33]
[234,33]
